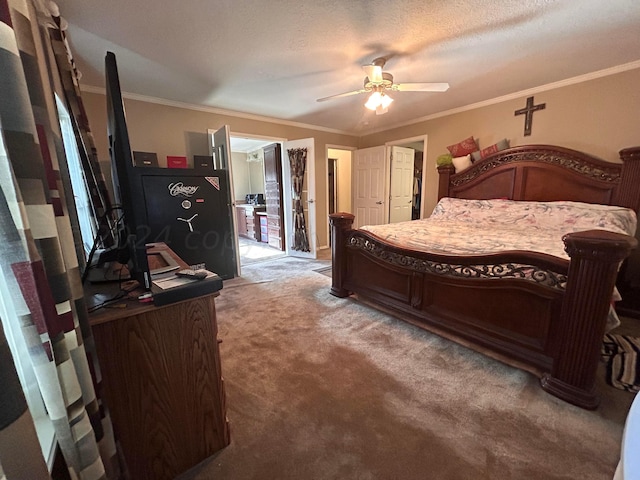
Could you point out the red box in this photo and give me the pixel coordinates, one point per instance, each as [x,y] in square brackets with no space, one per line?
[176,162]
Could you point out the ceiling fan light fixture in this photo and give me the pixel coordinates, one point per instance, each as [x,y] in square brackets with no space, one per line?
[377,82]
[379,102]
[373,101]
[381,110]
[385,100]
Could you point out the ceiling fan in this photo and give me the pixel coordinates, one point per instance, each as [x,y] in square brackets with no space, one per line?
[378,83]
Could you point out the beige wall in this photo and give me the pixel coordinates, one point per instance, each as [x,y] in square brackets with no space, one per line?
[240,175]
[256,177]
[248,177]
[599,117]
[169,130]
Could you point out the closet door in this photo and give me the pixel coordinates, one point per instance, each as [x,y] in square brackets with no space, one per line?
[402,184]
[273,195]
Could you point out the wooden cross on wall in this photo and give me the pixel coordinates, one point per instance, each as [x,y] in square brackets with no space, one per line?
[528,114]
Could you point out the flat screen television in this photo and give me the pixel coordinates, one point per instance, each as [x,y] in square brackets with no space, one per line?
[127,189]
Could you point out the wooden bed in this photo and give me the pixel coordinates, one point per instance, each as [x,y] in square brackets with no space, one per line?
[554,332]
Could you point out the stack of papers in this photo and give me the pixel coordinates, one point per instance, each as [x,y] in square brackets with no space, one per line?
[172,280]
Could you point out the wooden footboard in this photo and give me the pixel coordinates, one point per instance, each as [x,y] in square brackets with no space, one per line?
[544,314]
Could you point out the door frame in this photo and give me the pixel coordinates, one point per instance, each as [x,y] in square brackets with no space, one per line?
[326,159]
[266,138]
[404,141]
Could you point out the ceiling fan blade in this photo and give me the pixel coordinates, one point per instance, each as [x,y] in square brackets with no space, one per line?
[374,72]
[420,87]
[347,94]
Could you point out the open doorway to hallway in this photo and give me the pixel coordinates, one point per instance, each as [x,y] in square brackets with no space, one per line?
[338,181]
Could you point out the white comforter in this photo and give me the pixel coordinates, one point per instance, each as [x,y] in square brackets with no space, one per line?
[467,227]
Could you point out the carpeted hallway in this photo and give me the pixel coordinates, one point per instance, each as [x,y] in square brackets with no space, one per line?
[326,388]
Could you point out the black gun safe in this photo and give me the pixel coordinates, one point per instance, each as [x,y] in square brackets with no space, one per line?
[190,211]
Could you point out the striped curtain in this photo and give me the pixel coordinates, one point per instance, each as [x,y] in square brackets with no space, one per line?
[67,87]
[42,296]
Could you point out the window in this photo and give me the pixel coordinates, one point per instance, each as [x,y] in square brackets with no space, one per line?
[86,215]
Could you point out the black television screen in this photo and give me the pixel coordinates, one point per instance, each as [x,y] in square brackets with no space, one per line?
[127,193]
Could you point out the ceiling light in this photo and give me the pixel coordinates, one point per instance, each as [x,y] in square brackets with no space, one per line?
[379,102]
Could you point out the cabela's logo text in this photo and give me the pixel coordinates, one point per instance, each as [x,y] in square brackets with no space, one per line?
[179,188]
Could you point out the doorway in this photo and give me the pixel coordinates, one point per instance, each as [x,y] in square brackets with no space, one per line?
[295,196]
[331,185]
[418,176]
[403,187]
[339,191]
[250,197]
[377,191]
[413,175]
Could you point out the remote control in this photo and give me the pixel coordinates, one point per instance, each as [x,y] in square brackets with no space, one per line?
[196,275]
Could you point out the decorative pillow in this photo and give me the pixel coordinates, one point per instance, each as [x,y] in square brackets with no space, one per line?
[444,159]
[465,147]
[461,163]
[496,147]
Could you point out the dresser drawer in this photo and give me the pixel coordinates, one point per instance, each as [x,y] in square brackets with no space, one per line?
[273,222]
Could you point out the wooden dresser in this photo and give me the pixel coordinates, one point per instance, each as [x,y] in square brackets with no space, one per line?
[161,381]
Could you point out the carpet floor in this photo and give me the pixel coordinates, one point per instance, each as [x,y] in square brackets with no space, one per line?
[319,387]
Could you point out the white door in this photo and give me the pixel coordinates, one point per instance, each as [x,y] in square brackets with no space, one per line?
[308,198]
[402,184]
[369,186]
[220,147]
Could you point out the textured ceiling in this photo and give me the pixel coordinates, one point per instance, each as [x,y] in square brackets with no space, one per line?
[276,58]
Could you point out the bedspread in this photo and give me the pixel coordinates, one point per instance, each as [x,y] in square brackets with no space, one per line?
[468,227]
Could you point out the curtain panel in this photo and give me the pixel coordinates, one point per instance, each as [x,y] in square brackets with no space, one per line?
[67,86]
[298,164]
[42,296]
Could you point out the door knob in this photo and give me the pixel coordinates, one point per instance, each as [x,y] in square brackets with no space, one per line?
[310,200]
[379,202]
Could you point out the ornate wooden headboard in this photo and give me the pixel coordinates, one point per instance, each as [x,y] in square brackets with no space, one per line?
[547,173]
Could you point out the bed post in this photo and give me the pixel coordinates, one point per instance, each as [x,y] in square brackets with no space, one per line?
[595,255]
[628,191]
[445,172]
[628,195]
[340,224]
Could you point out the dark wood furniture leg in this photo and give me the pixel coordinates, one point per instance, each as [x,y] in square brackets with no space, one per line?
[340,224]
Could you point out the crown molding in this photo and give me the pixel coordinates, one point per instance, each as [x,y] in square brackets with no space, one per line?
[215,110]
[514,96]
[485,103]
